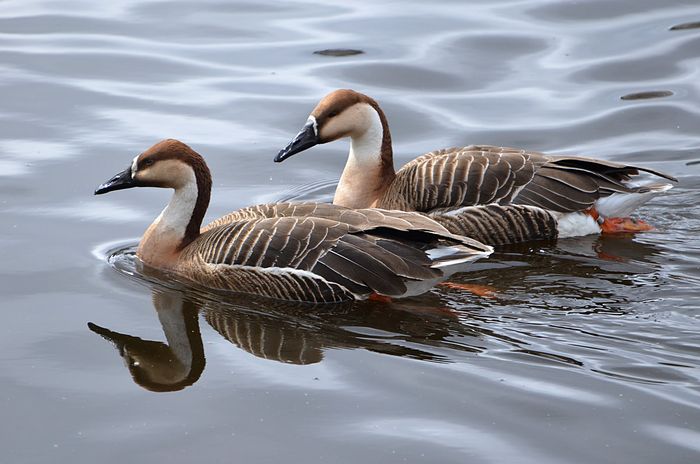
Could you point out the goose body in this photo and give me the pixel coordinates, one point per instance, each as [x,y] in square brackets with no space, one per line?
[529,195]
[314,253]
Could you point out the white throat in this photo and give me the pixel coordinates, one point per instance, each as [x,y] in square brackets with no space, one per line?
[366,146]
[168,230]
[361,183]
[175,217]
[159,246]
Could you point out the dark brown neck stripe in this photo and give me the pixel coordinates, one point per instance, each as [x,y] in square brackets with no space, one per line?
[387,154]
[203,177]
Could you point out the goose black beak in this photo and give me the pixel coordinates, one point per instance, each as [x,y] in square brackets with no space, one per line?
[119,340]
[123,180]
[306,138]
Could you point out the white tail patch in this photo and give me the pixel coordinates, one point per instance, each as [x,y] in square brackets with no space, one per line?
[576,225]
[623,204]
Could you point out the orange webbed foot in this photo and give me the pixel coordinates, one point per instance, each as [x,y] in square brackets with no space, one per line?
[619,225]
[624,226]
[485,291]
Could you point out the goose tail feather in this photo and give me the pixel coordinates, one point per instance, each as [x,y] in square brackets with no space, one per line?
[624,204]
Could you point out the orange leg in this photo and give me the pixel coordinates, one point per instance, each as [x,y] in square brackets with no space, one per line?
[379,298]
[485,291]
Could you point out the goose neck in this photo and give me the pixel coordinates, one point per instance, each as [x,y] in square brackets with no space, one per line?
[371,145]
[370,167]
[179,223]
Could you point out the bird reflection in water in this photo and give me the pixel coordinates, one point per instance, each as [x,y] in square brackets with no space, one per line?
[279,331]
[159,366]
[596,274]
[587,274]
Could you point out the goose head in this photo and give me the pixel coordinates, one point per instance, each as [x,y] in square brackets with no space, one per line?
[342,113]
[169,164]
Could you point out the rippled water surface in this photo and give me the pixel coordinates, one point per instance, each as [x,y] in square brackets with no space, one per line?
[587,352]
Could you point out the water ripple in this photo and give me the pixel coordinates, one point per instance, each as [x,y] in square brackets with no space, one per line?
[587,351]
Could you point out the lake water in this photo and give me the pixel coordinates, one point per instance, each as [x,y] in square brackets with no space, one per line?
[588,352]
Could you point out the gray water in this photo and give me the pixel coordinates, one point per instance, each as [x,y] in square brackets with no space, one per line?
[587,352]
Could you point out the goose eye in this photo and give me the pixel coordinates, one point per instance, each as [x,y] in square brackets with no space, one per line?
[148,162]
[333,114]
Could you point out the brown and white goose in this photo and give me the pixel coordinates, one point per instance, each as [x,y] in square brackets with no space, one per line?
[529,195]
[292,252]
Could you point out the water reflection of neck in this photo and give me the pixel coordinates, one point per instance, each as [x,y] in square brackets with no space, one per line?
[158,366]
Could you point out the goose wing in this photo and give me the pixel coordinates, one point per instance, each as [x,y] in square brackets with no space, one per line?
[568,183]
[411,226]
[273,257]
[465,176]
[320,260]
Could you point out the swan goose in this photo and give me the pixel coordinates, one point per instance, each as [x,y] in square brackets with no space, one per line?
[314,253]
[496,195]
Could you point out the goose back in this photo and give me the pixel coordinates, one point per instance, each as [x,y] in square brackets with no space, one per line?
[467,176]
[480,175]
[357,219]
